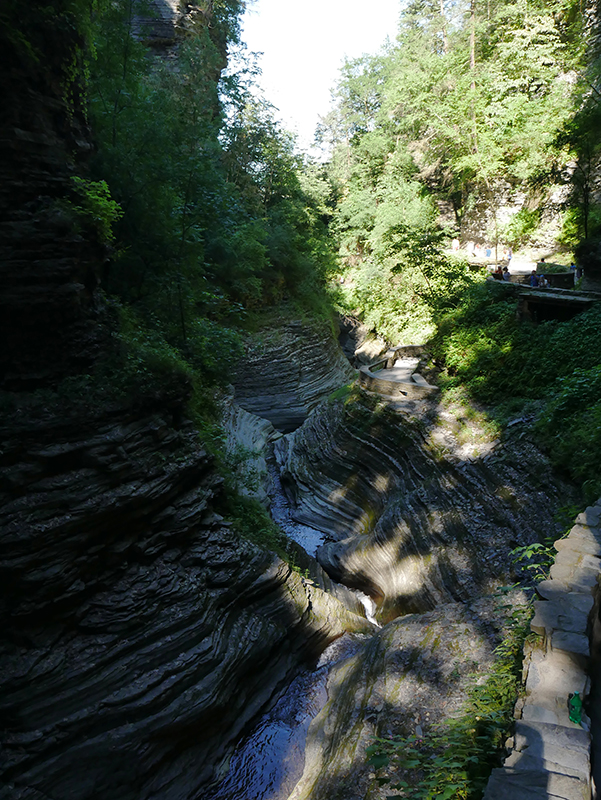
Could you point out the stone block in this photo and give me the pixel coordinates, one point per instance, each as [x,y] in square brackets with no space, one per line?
[552,589]
[553,676]
[552,615]
[575,577]
[517,784]
[580,544]
[568,747]
[590,516]
[527,763]
[574,643]
[536,713]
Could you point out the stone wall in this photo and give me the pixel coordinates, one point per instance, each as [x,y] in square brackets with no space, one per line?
[550,756]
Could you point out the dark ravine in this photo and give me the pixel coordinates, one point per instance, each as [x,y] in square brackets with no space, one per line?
[423,520]
[409,523]
[140,634]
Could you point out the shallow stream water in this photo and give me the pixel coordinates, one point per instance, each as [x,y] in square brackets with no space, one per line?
[269,761]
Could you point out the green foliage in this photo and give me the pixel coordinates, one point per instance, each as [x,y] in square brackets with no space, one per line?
[535,559]
[523,223]
[96,208]
[571,427]
[498,359]
[456,757]
[251,521]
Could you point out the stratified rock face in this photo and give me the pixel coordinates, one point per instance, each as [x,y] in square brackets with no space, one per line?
[47,269]
[139,633]
[287,372]
[360,344]
[413,674]
[415,527]
[248,441]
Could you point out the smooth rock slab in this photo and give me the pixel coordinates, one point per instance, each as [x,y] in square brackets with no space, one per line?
[518,784]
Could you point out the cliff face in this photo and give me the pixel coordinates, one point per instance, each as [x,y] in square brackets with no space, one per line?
[414,517]
[287,372]
[48,305]
[140,634]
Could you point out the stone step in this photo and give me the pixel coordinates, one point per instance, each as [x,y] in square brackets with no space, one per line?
[569,614]
[525,784]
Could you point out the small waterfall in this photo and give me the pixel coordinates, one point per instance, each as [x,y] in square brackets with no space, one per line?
[308,538]
[369,606]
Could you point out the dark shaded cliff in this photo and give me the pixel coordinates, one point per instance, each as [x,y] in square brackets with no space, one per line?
[139,633]
[48,267]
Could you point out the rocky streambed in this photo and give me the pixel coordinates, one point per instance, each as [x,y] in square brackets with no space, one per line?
[418,506]
[142,639]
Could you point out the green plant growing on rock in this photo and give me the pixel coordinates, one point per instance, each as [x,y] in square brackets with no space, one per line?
[95,208]
[534,559]
[454,760]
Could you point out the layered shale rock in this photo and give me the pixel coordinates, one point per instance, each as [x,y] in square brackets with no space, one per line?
[287,372]
[413,524]
[139,633]
[248,443]
[49,309]
[409,677]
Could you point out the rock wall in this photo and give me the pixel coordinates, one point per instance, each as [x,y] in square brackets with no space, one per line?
[139,633]
[49,310]
[414,521]
[410,676]
[287,372]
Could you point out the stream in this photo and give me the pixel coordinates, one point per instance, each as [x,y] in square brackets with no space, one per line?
[269,760]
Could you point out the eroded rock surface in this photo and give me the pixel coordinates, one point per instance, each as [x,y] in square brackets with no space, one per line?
[411,675]
[288,371]
[416,524]
[248,445]
[139,633]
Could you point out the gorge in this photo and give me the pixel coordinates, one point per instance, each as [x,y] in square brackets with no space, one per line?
[231,567]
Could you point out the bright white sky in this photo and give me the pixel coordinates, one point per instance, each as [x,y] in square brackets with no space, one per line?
[304,44]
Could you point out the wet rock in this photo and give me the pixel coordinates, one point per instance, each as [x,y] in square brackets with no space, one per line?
[411,674]
[140,634]
[413,527]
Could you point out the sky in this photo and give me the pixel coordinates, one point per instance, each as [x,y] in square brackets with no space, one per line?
[304,45]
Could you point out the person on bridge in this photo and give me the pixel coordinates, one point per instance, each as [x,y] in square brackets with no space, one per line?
[533,278]
[506,274]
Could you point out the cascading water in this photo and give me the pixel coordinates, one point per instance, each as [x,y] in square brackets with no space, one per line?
[269,761]
[309,538]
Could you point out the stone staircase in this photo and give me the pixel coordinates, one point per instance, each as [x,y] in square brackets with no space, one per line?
[550,755]
[395,374]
